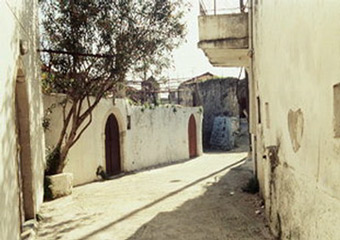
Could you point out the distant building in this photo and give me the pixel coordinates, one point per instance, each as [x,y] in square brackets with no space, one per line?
[217,96]
[175,96]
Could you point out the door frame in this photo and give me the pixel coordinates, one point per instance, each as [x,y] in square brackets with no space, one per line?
[24,160]
[192,119]
[122,133]
[113,160]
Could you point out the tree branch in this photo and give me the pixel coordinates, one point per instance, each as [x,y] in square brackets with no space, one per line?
[85,127]
[77,53]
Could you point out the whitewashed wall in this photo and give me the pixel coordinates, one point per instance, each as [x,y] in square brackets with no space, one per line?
[160,135]
[18,22]
[297,64]
[157,136]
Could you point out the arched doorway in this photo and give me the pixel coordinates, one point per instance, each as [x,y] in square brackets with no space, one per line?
[112,146]
[192,133]
[24,157]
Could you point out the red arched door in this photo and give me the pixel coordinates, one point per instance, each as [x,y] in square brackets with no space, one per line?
[192,137]
[112,146]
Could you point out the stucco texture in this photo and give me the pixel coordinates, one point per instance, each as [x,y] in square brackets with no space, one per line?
[218,97]
[18,22]
[156,136]
[296,66]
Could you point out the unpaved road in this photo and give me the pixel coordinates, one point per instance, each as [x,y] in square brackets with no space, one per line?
[197,199]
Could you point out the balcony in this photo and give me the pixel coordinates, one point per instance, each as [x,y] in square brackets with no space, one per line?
[225,39]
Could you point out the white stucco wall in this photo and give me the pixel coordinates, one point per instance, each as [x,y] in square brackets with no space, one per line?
[297,49]
[18,22]
[157,136]
[89,152]
[160,135]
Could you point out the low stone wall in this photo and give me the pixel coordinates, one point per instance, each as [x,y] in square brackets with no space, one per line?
[147,137]
[60,185]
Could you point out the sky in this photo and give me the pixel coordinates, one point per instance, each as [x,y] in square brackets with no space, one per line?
[189,60]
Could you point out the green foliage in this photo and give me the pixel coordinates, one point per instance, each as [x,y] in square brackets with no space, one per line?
[52,160]
[46,123]
[88,47]
[91,44]
[252,186]
[131,102]
[47,117]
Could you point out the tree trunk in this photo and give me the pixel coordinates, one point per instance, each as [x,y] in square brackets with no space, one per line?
[52,161]
[62,159]
[56,160]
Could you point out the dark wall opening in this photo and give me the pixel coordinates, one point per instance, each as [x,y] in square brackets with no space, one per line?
[112,146]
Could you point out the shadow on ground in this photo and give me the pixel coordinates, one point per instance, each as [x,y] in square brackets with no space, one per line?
[57,230]
[223,212]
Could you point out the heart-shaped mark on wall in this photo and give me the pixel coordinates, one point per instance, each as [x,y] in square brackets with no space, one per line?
[295,126]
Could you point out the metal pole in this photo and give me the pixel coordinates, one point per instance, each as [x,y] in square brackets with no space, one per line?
[214,7]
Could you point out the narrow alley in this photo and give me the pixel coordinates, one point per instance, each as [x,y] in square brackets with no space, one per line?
[197,199]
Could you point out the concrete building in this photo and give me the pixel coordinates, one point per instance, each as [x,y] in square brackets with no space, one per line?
[217,96]
[188,98]
[291,51]
[125,138]
[21,135]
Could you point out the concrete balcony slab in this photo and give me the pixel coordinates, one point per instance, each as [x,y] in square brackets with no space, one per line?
[225,39]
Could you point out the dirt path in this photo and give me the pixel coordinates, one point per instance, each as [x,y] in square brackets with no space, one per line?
[198,199]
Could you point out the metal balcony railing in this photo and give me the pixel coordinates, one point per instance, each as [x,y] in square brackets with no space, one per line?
[216,7]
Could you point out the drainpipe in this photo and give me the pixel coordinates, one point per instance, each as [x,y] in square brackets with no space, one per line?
[252,87]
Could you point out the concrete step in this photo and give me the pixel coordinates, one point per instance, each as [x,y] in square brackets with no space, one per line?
[29,229]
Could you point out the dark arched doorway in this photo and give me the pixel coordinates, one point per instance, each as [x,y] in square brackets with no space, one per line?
[112,146]
[192,133]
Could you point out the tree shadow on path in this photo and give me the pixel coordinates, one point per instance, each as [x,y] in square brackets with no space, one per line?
[223,212]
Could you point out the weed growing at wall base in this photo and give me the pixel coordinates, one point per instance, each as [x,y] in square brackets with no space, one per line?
[252,186]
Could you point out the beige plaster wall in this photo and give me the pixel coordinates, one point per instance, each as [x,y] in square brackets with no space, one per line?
[157,136]
[296,64]
[18,22]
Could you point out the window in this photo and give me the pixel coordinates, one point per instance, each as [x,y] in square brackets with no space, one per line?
[128,122]
[258,110]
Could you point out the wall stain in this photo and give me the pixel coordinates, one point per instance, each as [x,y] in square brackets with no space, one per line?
[273,157]
[295,127]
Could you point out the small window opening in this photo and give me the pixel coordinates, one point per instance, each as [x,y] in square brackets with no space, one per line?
[258,110]
[128,122]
